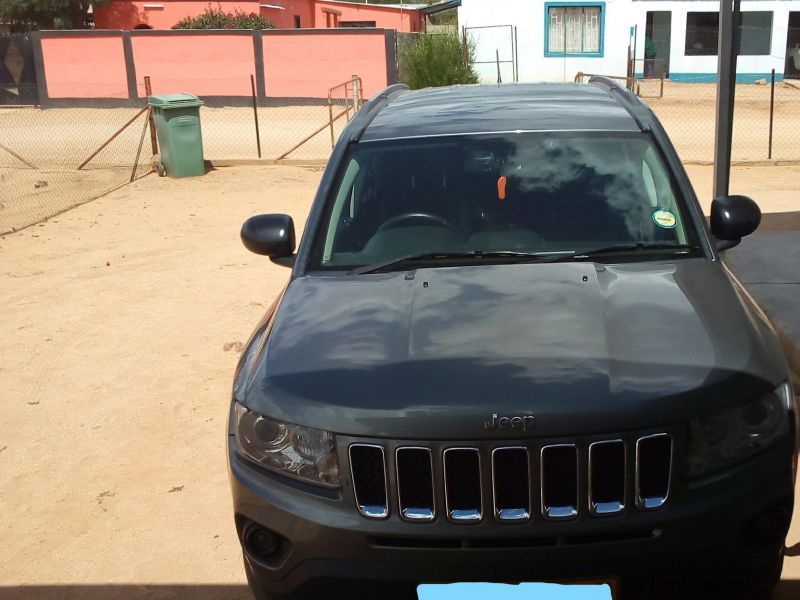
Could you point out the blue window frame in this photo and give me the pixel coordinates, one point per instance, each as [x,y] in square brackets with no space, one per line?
[574,28]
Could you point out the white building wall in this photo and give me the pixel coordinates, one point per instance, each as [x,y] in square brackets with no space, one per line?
[529,18]
[619,17]
[704,68]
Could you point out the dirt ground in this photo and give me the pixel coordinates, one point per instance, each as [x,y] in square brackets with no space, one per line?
[115,382]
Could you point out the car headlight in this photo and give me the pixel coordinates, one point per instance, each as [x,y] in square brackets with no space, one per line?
[724,438]
[302,452]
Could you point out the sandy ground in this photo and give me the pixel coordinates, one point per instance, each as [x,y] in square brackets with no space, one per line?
[115,382]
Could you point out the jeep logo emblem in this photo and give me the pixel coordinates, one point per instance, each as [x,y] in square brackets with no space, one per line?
[523,423]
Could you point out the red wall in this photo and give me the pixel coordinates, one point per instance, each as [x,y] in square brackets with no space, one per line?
[85,67]
[203,64]
[127,14]
[297,64]
[309,65]
[284,19]
[384,17]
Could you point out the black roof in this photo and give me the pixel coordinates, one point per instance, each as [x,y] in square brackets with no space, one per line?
[501,108]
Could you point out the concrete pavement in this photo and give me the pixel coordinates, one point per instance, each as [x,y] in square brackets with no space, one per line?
[768,264]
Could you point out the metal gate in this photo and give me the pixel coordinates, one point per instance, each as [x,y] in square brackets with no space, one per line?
[17,70]
[495,52]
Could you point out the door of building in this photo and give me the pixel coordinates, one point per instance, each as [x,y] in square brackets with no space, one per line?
[792,68]
[658,31]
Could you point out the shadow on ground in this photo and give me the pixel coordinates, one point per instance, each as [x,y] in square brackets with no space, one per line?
[787,590]
[783,221]
[126,592]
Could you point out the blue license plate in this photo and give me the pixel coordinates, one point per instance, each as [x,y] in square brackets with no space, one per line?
[522,591]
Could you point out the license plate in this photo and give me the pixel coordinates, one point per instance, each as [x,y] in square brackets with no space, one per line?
[578,590]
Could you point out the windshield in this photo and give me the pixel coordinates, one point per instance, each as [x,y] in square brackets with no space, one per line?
[521,193]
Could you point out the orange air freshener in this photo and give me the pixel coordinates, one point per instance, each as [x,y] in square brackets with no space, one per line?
[501,187]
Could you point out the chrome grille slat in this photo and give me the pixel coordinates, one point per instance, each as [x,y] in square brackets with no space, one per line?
[653,470]
[463,484]
[368,471]
[559,481]
[607,469]
[415,486]
[571,477]
[511,484]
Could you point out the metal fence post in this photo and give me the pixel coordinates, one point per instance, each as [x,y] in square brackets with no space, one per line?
[356,93]
[771,111]
[255,113]
[148,90]
[729,23]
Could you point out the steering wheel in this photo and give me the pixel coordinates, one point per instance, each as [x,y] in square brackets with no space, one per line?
[424,218]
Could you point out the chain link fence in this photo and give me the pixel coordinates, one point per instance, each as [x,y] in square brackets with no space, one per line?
[41,149]
[766,122]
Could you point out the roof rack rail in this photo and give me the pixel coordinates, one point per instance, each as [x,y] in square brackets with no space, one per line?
[629,100]
[614,86]
[372,107]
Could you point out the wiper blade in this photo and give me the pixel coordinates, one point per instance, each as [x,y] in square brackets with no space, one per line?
[424,257]
[628,248]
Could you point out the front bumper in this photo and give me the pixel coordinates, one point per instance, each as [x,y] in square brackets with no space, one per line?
[705,523]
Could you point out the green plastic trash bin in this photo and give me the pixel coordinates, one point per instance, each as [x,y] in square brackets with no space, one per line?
[177,118]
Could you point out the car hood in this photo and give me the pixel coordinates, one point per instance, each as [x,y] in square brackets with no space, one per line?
[583,347]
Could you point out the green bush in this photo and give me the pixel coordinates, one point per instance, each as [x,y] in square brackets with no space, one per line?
[216,18]
[432,60]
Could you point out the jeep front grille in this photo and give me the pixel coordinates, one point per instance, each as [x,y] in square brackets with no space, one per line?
[462,484]
[519,483]
[559,481]
[369,486]
[511,484]
[415,484]
[607,466]
[653,466]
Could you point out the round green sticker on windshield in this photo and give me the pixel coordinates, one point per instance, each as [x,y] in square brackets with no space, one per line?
[664,219]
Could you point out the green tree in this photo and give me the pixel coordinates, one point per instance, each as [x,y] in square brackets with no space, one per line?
[47,14]
[216,18]
[432,60]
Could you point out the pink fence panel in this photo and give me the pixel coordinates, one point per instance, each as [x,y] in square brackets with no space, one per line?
[309,64]
[85,67]
[203,64]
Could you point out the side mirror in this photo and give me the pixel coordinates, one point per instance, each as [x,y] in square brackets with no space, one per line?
[732,218]
[270,235]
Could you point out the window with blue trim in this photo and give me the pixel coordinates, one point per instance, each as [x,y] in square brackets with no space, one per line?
[574,29]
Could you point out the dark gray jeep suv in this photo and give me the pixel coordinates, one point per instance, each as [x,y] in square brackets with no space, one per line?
[510,350]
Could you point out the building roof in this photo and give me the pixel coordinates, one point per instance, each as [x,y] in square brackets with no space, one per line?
[432,9]
[378,5]
[509,107]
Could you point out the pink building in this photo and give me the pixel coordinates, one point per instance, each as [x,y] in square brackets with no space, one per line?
[285,14]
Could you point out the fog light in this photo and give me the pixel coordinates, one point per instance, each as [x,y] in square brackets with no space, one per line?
[768,528]
[261,543]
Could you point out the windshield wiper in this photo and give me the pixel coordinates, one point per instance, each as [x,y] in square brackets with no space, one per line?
[629,248]
[426,257]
